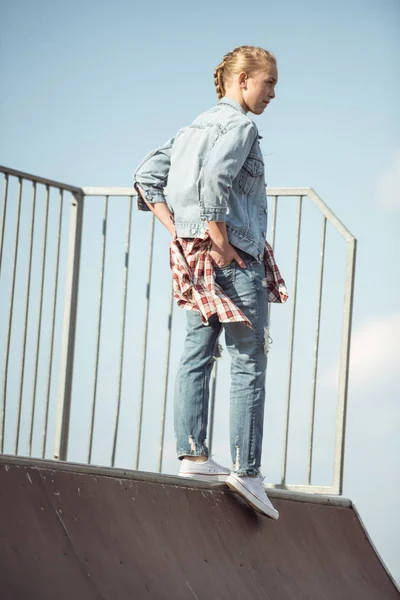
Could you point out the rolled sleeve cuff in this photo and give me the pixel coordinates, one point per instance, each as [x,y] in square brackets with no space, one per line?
[213,214]
[151,195]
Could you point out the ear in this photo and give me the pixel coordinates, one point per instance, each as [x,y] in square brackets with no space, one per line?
[242,79]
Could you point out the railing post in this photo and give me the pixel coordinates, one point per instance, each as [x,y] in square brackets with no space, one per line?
[344,366]
[69,327]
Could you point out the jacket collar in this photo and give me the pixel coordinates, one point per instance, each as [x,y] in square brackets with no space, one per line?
[233,103]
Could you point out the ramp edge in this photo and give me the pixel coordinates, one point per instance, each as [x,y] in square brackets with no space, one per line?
[397,587]
[161,478]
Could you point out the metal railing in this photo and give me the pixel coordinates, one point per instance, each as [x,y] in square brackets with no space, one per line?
[61,319]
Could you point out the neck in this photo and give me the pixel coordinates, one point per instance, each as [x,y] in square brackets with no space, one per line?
[237,95]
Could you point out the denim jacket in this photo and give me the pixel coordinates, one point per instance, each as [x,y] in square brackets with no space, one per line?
[215,172]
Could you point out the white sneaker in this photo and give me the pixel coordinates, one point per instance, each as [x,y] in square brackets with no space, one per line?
[253,491]
[206,471]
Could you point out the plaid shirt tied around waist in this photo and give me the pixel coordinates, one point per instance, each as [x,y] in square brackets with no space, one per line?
[194,282]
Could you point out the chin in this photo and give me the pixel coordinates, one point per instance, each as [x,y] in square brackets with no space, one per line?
[258,111]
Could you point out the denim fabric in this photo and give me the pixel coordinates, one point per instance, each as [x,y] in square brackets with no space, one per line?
[247,348]
[214,170]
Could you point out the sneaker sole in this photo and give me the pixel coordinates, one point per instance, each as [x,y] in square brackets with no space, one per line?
[217,478]
[251,500]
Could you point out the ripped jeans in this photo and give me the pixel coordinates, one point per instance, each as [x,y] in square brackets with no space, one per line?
[247,349]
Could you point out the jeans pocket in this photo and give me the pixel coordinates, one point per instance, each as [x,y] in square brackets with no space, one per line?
[223,267]
[225,276]
[248,259]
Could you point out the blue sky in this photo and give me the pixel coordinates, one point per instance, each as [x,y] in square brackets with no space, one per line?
[88,88]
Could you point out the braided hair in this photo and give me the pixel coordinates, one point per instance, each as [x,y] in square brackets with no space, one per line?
[241,58]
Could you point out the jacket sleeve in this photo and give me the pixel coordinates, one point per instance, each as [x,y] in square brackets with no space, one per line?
[223,164]
[152,175]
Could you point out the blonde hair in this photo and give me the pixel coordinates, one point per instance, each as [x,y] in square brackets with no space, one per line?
[242,58]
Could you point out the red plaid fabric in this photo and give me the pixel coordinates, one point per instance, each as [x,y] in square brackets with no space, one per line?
[194,280]
[277,291]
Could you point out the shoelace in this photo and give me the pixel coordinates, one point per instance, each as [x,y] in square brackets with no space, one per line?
[260,480]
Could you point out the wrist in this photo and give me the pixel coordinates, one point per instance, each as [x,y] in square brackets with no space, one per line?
[218,233]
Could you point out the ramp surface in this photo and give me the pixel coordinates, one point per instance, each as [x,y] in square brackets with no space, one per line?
[73,532]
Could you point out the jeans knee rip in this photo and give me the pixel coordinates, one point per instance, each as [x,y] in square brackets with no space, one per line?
[237,462]
[267,340]
[194,451]
[192,443]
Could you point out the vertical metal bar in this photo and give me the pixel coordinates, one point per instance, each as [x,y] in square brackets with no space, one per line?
[144,356]
[99,323]
[316,351]
[27,303]
[69,327]
[272,243]
[10,319]
[122,347]
[283,478]
[212,406]
[344,365]
[274,214]
[3,217]
[166,379]
[273,232]
[39,328]
[50,361]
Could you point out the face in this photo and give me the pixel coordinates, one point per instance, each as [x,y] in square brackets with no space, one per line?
[259,89]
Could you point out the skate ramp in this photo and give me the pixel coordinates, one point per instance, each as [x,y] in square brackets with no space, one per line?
[74,532]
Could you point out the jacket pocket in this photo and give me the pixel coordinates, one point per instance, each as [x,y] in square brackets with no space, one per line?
[252,169]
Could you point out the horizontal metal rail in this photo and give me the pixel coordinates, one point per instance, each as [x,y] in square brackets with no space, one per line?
[37,179]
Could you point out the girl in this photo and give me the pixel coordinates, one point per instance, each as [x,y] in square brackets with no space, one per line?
[217,215]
